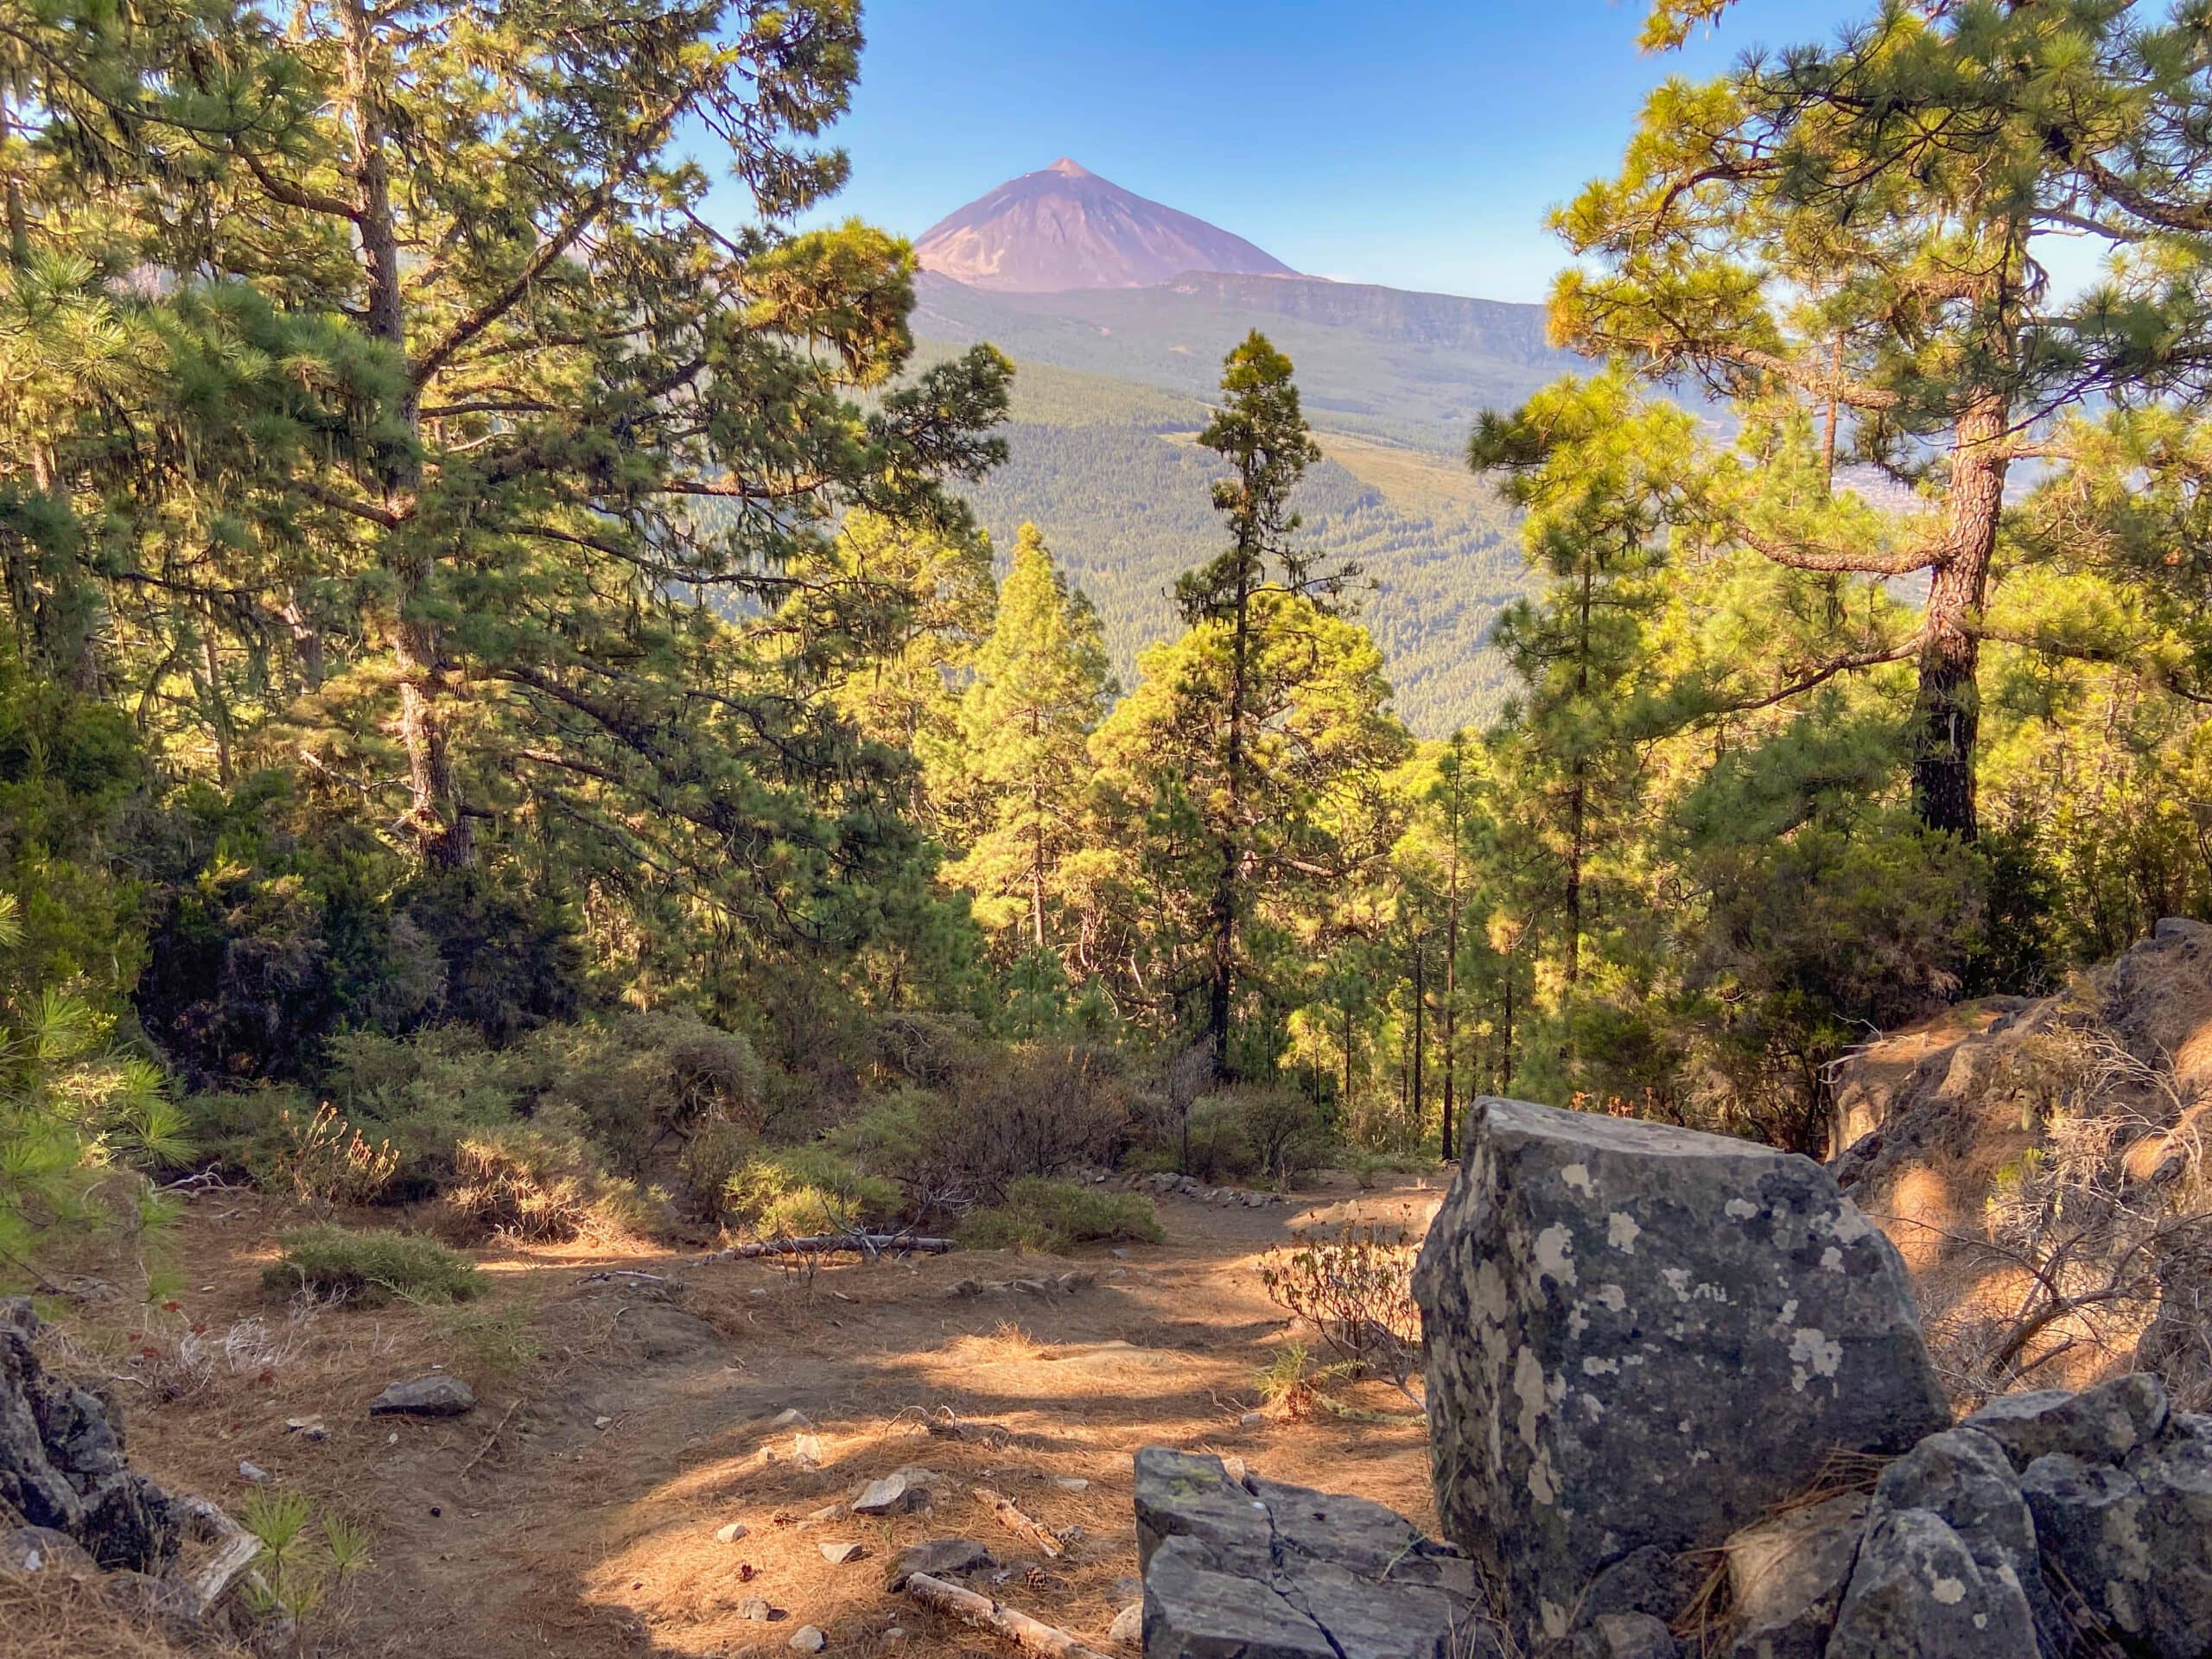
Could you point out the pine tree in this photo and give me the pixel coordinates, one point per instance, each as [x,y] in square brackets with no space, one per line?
[1602,477]
[1041,686]
[1261,431]
[1851,231]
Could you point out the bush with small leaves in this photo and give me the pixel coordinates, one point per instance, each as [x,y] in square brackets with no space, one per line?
[1353,1286]
[339,1264]
[801,1191]
[1056,1215]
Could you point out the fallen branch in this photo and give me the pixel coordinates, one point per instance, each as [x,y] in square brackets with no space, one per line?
[1011,1517]
[984,1614]
[236,1550]
[489,1439]
[828,1243]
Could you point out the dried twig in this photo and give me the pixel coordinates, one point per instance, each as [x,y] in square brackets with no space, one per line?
[985,1614]
[1009,1515]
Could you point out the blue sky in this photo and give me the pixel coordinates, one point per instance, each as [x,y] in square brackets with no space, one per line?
[1414,142]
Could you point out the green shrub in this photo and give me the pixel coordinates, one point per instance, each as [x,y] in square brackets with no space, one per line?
[531,1181]
[1056,1215]
[371,1268]
[635,1080]
[800,1190]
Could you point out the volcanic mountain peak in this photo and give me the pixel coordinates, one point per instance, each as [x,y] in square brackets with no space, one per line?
[1064,228]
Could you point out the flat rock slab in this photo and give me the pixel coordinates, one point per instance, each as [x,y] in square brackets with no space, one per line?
[436,1395]
[940,1558]
[1639,1335]
[1787,1576]
[1262,1570]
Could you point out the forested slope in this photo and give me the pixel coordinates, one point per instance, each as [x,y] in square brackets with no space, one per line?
[1107,470]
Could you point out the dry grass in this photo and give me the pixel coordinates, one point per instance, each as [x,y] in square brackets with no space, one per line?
[50,1616]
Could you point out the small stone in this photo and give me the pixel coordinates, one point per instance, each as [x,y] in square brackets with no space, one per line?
[806,1450]
[730,1532]
[1128,1628]
[755,1609]
[1236,1468]
[899,1492]
[894,1635]
[790,1417]
[602,1422]
[838,1554]
[436,1395]
[43,1549]
[808,1639]
[308,1428]
[827,1512]
[1072,1484]
[1252,1420]
[253,1471]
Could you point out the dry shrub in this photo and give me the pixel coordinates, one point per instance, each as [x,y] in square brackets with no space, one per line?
[2096,1242]
[1353,1285]
[537,1183]
[1039,1110]
[180,1358]
[322,1159]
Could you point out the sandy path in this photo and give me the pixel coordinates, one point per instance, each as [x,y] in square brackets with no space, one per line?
[646,1422]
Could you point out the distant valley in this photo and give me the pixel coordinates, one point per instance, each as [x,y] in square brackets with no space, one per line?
[1114,379]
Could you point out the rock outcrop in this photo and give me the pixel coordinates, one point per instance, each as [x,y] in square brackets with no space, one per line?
[1641,1335]
[1259,1570]
[61,1462]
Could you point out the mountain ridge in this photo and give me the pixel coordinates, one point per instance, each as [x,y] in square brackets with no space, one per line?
[1064,227]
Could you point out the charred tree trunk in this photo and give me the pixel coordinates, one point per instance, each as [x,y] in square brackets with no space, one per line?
[1947,707]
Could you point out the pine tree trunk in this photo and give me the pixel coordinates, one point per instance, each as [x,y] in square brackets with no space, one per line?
[441,827]
[1947,707]
[1221,990]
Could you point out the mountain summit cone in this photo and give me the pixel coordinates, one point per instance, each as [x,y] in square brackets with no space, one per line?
[1064,228]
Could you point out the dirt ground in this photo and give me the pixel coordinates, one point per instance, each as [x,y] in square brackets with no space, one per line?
[621,1421]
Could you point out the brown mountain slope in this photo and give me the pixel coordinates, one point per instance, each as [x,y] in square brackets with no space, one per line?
[1065,227]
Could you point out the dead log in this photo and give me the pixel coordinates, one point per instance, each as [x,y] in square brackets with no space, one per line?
[984,1614]
[1011,1517]
[831,1244]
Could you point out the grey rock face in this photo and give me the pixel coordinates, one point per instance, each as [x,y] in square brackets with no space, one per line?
[1917,1592]
[2105,1424]
[61,1463]
[1630,1636]
[435,1395]
[1640,1335]
[1963,1476]
[1787,1576]
[1266,1571]
[2134,1543]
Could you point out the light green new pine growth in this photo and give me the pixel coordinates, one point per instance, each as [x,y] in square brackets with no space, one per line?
[1041,686]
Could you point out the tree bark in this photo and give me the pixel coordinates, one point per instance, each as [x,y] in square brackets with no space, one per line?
[1947,705]
[1221,989]
[441,827]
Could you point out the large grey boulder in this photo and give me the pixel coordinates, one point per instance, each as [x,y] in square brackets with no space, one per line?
[1259,1570]
[1917,1592]
[1787,1576]
[1640,1335]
